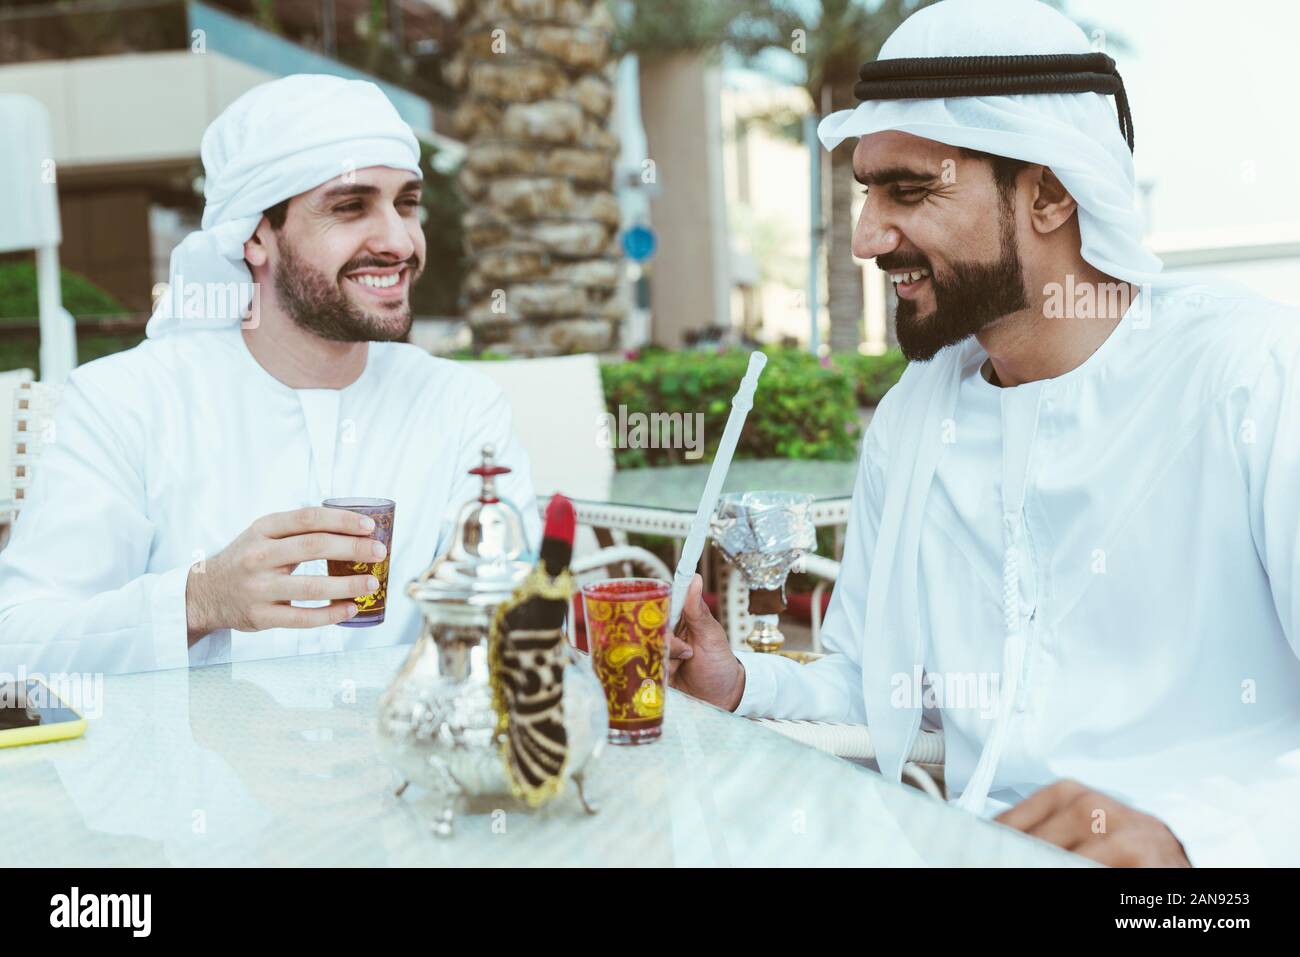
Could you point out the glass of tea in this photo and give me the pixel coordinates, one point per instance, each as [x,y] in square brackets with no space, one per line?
[627,634]
[370,608]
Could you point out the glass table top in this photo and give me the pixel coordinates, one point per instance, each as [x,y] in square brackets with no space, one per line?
[274,762]
[680,487]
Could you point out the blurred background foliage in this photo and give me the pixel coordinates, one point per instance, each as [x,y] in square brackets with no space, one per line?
[20,340]
[805,410]
[872,376]
[808,408]
[18,303]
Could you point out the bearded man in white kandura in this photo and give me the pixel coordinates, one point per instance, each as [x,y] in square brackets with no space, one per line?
[1086,485]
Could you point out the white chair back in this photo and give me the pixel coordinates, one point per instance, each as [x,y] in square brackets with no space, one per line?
[33,429]
[557,405]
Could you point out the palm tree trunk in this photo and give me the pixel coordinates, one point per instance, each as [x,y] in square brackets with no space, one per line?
[843,274]
[542,220]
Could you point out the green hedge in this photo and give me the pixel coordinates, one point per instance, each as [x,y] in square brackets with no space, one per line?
[873,376]
[804,409]
[81,297]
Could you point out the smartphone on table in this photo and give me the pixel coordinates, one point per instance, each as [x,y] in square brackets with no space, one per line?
[31,713]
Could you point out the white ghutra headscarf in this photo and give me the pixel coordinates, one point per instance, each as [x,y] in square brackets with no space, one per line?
[278,140]
[1077,135]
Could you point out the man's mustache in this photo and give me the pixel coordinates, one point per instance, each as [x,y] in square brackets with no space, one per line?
[891,261]
[372,262]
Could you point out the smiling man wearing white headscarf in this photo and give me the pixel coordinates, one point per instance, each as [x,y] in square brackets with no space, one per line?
[176,516]
[1075,537]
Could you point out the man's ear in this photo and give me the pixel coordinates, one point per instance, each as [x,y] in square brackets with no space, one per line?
[255,250]
[1052,203]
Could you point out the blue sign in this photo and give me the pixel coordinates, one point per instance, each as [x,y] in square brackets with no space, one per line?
[639,243]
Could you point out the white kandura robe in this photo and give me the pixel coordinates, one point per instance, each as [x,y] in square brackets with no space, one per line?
[1157,587]
[163,454]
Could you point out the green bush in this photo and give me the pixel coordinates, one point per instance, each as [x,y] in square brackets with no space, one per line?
[81,297]
[803,409]
[873,376]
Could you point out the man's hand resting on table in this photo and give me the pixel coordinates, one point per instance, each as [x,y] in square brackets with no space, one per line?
[248,585]
[1093,825]
[700,659]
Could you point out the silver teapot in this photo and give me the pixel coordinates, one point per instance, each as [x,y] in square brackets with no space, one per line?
[438,726]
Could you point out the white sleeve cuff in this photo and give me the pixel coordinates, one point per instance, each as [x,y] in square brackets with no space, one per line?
[1219,836]
[760,684]
[167,617]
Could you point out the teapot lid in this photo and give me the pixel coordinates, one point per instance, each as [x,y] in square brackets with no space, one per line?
[488,555]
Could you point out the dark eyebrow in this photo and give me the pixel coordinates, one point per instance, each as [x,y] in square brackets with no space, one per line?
[364,189]
[893,174]
[349,189]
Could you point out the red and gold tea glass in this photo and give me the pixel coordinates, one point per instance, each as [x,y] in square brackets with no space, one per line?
[627,633]
[370,608]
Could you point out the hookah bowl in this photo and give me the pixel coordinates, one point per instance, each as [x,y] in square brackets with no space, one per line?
[764,534]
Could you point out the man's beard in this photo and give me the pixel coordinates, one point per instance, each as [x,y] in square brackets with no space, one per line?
[320,306]
[969,298]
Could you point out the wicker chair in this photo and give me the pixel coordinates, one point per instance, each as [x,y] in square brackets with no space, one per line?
[33,429]
[10,382]
[853,742]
